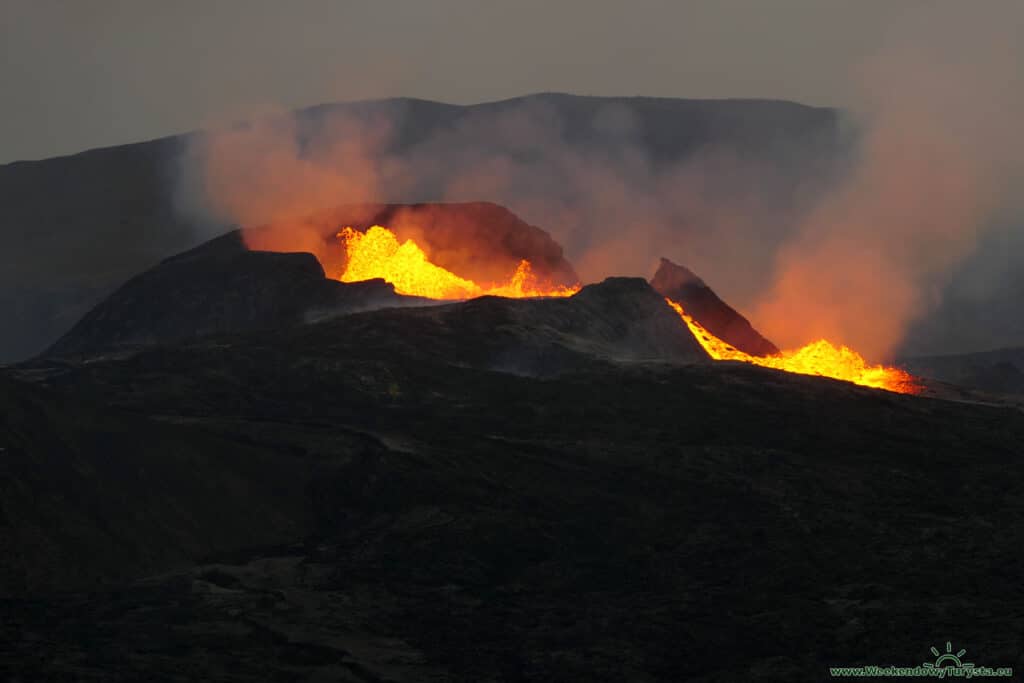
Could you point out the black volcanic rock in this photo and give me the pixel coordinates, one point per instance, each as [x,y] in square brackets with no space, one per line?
[220,286]
[700,301]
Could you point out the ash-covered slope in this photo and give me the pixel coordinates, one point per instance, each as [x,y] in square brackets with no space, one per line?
[220,286]
[700,301]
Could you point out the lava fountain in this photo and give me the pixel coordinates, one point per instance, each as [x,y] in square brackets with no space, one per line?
[377,253]
[822,358]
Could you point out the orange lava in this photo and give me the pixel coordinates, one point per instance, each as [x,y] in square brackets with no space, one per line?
[817,358]
[377,253]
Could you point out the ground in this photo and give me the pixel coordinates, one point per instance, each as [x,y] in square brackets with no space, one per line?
[435,519]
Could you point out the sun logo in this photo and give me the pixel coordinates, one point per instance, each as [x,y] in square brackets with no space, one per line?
[947,659]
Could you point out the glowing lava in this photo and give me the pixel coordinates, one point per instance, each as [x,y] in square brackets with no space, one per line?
[817,358]
[377,253]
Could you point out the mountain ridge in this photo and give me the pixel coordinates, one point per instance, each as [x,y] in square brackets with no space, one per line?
[311,108]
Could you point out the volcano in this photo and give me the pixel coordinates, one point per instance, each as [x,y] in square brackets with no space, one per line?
[73,228]
[229,284]
[224,287]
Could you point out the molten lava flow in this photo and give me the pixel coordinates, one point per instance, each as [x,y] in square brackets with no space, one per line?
[378,254]
[817,358]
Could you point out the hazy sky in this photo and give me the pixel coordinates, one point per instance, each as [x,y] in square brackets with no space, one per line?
[77,74]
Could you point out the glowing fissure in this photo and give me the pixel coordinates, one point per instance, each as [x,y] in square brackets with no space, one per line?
[377,253]
[817,358]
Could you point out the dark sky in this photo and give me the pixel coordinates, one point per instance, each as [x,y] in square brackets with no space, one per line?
[84,73]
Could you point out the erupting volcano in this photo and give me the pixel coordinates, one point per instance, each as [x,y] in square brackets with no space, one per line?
[817,358]
[377,253]
[464,251]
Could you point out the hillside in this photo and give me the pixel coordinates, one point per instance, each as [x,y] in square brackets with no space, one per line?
[220,286]
[588,514]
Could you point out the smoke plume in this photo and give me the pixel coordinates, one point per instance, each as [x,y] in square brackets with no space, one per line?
[805,238]
[593,179]
[939,108]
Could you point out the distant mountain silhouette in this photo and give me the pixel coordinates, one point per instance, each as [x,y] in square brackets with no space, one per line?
[73,228]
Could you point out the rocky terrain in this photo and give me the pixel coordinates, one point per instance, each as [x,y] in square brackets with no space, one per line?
[495,490]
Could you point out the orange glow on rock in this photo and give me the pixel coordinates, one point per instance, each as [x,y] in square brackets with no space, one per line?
[377,253]
[822,358]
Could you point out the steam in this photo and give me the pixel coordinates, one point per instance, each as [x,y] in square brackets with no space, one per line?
[806,241]
[267,172]
[589,180]
[941,113]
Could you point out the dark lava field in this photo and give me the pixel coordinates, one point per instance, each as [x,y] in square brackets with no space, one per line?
[495,490]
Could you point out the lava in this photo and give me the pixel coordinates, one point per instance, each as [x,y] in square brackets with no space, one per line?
[377,253]
[821,358]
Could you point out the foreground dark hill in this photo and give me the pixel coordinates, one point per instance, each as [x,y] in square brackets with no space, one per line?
[458,519]
[75,471]
[74,228]
[91,494]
